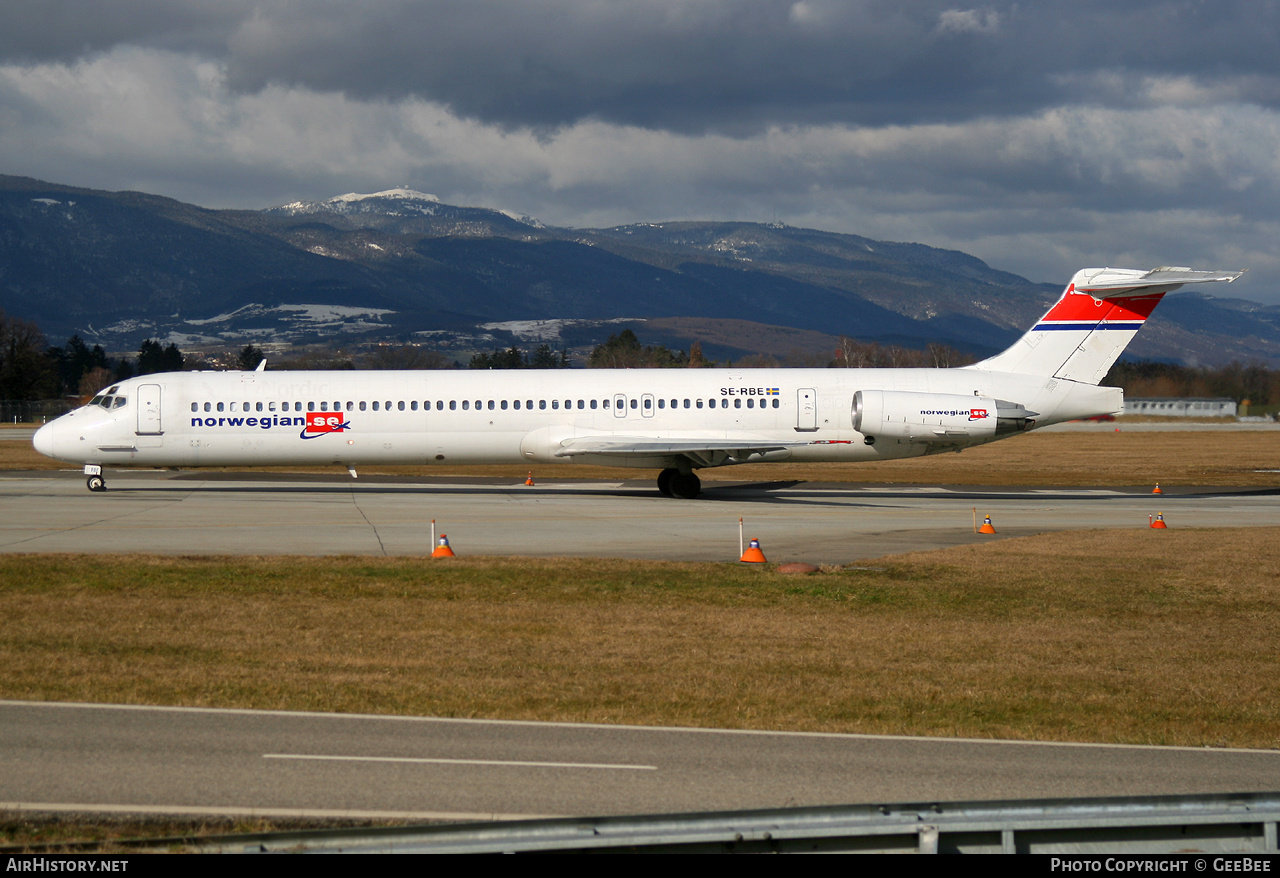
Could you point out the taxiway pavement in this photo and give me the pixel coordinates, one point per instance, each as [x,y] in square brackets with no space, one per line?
[271,514]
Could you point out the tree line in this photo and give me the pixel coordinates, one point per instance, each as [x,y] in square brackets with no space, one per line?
[30,369]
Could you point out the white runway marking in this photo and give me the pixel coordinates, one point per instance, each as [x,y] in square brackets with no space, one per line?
[500,762]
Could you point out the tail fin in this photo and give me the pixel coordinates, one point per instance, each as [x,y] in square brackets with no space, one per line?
[1099,313]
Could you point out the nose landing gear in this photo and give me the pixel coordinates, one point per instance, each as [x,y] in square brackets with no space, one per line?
[94,480]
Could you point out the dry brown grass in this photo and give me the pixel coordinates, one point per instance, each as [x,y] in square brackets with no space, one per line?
[1123,458]
[1123,636]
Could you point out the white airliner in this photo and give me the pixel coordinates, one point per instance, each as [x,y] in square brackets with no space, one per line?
[675,420]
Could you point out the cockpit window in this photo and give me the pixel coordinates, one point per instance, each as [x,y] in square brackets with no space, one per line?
[97,400]
[121,402]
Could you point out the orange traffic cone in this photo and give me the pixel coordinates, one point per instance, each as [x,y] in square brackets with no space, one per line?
[443,550]
[1159,522]
[986,526]
[1157,490]
[753,555]
[529,481]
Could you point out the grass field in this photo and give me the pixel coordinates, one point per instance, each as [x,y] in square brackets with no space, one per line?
[1119,636]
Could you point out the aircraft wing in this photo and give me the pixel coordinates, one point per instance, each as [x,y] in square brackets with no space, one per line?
[704,452]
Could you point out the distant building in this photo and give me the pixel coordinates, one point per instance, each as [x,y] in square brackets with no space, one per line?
[1181,407]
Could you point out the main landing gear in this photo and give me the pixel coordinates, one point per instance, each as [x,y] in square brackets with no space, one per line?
[673,483]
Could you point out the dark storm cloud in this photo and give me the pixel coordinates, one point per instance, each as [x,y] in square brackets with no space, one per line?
[33,31]
[693,65]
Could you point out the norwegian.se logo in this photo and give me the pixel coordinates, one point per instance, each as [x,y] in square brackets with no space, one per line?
[977,414]
[319,423]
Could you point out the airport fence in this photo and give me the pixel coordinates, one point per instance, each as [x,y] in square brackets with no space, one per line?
[33,411]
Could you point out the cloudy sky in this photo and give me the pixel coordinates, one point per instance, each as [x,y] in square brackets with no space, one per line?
[1041,137]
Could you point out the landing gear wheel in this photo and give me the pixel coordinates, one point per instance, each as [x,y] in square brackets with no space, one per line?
[96,483]
[664,481]
[686,486]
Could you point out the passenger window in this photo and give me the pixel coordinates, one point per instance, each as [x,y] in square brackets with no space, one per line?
[350,406]
[699,403]
[362,405]
[259,406]
[271,406]
[648,403]
[528,403]
[542,404]
[400,405]
[635,403]
[311,406]
[414,405]
[504,405]
[220,407]
[686,403]
[195,406]
[555,404]
[324,405]
[593,403]
[388,407]
[581,403]
[466,404]
[375,405]
[737,403]
[491,406]
[662,403]
[605,403]
[453,404]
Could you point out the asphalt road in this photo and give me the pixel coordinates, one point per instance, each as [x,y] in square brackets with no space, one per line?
[179,760]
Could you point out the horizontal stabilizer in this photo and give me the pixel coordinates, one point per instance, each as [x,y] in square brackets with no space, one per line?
[1108,283]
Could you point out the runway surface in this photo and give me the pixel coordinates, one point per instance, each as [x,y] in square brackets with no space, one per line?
[228,513]
[180,760]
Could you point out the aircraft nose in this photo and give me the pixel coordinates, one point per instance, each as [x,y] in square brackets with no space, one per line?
[43,440]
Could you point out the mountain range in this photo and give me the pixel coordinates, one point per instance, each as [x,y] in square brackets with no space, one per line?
[401,266]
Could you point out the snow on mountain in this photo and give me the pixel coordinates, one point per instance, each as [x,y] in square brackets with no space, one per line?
[405,194]
[409,200]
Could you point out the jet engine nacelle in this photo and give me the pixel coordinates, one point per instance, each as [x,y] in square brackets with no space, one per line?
[937,418]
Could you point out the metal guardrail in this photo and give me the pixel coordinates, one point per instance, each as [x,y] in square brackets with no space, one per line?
[1224,824]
